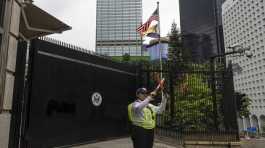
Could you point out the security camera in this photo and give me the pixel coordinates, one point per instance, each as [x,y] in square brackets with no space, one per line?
[247,49]
[248,53]
[234,46]
[243,50]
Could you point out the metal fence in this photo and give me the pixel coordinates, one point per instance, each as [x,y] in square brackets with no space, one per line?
[201,106]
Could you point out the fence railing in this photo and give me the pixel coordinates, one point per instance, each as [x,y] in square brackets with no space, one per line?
[201,105]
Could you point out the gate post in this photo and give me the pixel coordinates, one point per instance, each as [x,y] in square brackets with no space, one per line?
[18,96]
[172,93]
[32,53]
[230,102]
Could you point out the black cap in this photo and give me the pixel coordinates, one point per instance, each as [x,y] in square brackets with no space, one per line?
[141,91]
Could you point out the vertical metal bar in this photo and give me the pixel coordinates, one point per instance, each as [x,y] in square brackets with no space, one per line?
[148,77]
[214,92]
[172,93]
[139,76]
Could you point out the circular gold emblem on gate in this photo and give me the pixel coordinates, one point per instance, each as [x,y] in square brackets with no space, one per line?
[96,99]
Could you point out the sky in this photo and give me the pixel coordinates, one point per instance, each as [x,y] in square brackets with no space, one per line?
[81,16]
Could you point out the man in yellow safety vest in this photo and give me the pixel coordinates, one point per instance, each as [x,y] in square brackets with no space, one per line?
[142,115]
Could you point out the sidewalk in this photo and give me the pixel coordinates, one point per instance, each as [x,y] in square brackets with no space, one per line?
[127,143]
[120,143]
[253,143]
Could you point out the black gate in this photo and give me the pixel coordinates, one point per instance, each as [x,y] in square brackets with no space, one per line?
[74,96]
[68,96]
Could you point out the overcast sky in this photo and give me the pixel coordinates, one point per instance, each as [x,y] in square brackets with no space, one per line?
[81,16]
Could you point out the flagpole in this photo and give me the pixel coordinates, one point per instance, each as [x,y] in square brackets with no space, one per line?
[141,43]
[160,52]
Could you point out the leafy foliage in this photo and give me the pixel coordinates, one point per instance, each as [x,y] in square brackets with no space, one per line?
[194,106]
[176,49]
[126,57]
[243,103]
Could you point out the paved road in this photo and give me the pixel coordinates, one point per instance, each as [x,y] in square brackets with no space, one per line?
[120,143]
[253,143]
[127,143]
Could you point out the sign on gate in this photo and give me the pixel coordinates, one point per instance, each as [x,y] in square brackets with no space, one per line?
[96,99]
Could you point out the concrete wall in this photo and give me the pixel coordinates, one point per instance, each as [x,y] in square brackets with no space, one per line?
[4,128]
[7,66]
[251,79]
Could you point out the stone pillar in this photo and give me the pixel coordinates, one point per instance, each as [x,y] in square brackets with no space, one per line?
[244,124]
[250,119]
[240,124]
[7,66]
[259,124]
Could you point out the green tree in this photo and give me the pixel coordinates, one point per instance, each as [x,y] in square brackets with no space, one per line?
[176,49]
[243,103]
[175,44]
[194,106]
[126,57]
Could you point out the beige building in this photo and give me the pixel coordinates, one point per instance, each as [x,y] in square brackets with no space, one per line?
[243,24]
[19,20]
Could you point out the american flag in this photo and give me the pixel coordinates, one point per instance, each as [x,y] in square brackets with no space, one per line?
[143,28]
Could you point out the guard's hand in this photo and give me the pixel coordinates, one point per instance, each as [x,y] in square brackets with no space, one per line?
[153,93]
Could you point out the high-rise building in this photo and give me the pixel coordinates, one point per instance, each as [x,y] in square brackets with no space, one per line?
[116,25]
[244,24]
[201,27]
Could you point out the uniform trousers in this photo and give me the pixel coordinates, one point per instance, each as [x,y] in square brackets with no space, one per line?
[142,138]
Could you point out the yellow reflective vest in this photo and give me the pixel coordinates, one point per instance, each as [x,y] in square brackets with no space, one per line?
[147,121]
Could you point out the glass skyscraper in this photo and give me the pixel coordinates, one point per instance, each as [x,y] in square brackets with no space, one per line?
[116,25]
[201,27]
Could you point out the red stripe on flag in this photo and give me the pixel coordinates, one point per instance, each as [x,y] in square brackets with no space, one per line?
[145,26]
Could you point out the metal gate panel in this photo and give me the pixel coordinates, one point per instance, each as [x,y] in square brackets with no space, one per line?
[61,111]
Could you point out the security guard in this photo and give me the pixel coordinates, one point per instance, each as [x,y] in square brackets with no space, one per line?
[142,115]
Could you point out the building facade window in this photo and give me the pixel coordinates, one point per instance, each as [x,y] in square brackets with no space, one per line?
[116,22]
[244,24]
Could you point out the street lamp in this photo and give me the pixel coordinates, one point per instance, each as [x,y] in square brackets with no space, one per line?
[236,49]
